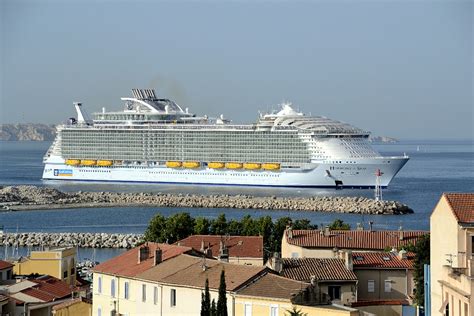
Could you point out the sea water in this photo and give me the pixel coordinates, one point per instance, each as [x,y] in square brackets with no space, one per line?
[434,167]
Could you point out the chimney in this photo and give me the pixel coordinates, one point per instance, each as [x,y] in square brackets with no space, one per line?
[275,262]
[289,230]
[202,245]
[223,252]
[158,256]
[348,259]
[370,226]
[208,251]
[143,253]
[400,233]
[402,254]
[327,231]
[224,255]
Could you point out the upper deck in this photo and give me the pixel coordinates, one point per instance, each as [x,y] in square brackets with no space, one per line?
[146,111]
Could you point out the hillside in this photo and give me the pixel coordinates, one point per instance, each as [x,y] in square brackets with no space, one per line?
[34,132]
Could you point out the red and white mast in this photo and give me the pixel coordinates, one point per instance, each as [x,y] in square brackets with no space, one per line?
[378,187]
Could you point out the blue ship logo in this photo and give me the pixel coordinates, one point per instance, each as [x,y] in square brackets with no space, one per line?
[63,172]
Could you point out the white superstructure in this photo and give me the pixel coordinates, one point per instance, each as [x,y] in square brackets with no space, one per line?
[154,140]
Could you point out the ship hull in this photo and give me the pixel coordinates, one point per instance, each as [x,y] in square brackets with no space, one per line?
[357,174]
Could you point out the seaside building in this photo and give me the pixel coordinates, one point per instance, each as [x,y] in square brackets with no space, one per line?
[161,279]
[35,296]
[6,271]
[57,262]
[275,295]
[233,249]
[116,286]
[326,243]
[386,282]
[452,255]
[334,280]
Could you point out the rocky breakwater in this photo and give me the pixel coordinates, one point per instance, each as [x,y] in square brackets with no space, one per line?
[84,240]
[33,198]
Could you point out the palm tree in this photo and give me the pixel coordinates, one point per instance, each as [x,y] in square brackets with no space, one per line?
[295,312]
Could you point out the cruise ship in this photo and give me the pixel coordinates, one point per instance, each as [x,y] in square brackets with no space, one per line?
[154,140]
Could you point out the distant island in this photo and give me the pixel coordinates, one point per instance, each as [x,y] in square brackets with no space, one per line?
[27,132]
[45,132]
[382,139]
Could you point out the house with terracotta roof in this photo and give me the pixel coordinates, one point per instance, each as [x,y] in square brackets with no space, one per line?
[6,271]
[161,279]
[386,282]
[275,295]
[333,279]
[234,249]
[452,255]
[115,284]
[36,295]
[326,243]
[57,262]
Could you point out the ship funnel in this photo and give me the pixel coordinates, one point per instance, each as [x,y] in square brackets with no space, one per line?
[80,116]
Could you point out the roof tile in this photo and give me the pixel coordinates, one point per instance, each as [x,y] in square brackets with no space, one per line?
[186,270]
[462,205]
[274,286]
[126,264]
[52,286]
[387,260]
[354,239]
[5,265]
[323,269]
[238,246]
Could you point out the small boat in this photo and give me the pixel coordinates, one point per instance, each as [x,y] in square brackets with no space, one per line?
[104,163]
[88,162]
[73,162]
[252,165]
[173,164]
[271,166]
[216,165]
[233,165]
[191,164]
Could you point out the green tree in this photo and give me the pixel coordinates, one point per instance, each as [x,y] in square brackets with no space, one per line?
[277,233]
[234,228]
[202,226]
[295,312]
[422,257]
[222,299]
[303,224]
[249,226]
[206,300]
[213,308]
[156,228]
[265,228]
[219,225]
[179,226]
[339,224]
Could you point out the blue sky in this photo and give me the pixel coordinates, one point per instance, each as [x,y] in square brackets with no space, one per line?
[397,68]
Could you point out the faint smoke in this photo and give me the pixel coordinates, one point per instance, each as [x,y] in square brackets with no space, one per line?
[166,87]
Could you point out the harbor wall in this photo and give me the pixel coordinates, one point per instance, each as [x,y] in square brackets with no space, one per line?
[34,197]
[83,240]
